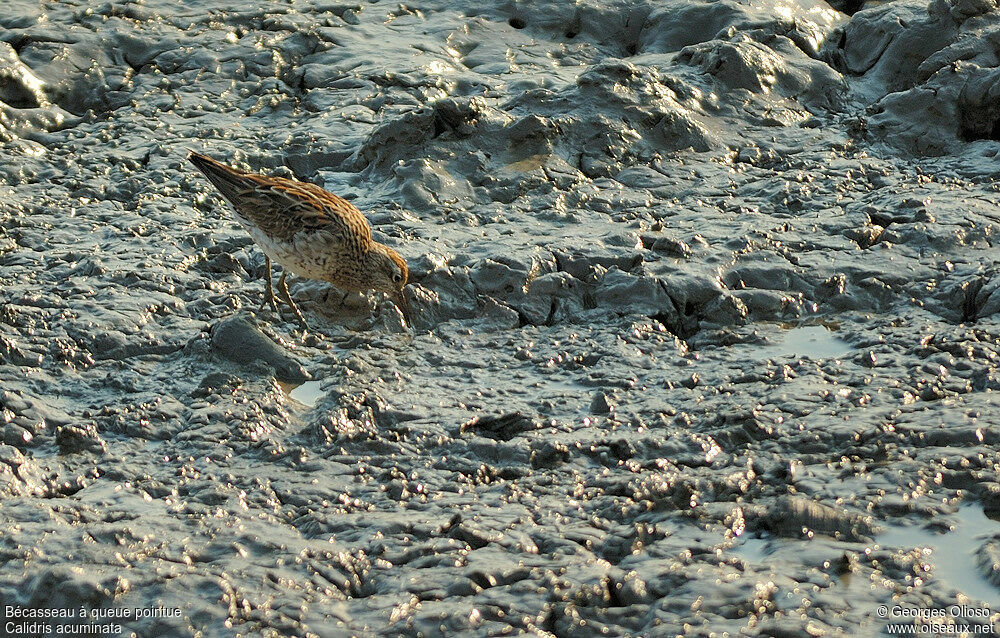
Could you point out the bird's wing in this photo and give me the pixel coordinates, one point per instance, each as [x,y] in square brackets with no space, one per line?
[282,207]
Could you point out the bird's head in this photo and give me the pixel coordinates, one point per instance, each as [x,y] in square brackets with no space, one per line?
[389,274]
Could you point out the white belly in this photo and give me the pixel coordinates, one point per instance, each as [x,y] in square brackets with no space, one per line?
[307,255]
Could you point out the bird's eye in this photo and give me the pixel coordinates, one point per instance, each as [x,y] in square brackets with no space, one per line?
[397,278]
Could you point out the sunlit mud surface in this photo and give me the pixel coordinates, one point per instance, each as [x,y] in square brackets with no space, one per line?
[705,304]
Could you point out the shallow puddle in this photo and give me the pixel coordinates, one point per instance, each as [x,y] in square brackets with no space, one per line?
[815,342]
[752,550]
[952,554]
[307,393]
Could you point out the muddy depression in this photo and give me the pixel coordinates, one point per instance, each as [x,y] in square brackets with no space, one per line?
[705,319]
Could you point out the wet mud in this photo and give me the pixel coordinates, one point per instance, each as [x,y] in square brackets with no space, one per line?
[705,317]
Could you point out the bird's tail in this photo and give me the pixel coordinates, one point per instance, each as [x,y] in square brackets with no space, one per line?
[230,182]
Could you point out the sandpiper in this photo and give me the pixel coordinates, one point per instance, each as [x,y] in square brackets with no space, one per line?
[310,232]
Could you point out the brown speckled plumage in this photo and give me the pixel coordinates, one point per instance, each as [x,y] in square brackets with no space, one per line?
[309,231]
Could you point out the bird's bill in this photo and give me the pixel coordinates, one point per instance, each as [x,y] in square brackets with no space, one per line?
[400,300]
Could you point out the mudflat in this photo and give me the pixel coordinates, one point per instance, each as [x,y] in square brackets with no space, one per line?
[704,319]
